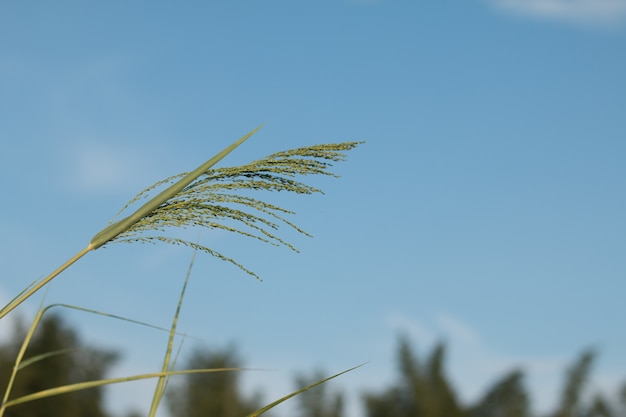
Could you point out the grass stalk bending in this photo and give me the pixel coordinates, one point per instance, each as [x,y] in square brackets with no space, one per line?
[212,198]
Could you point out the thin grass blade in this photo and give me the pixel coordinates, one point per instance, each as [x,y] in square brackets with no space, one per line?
[32,288]
[43,356]
[161,384]
[65,389]
[293,394]
[20,356]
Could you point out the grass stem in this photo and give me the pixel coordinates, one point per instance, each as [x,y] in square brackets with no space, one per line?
[33,289]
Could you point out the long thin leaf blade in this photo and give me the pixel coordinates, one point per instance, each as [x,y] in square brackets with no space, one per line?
[293,394]
[111,231]
[43,356]
[159,391]
[65,389]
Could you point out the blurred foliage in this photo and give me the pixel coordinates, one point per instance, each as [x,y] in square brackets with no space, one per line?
[73,362]
[210,394]
[421,389]
[506,398]
[575,381]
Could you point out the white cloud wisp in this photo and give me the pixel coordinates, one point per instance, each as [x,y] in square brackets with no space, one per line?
[588,12]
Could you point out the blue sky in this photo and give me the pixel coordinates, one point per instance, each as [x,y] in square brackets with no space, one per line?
[485,209]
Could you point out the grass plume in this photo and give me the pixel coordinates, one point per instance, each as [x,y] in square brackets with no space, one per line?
[213,198]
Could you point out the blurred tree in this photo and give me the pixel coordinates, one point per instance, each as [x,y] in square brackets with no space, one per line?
[571,404]
[506,398]
[422,391]
[319,401]
[618,408]
[74,363]
[443,399]
[599,408]
[210,394]
[134,414]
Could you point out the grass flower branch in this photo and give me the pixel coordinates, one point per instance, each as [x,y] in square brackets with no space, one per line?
[213,198]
